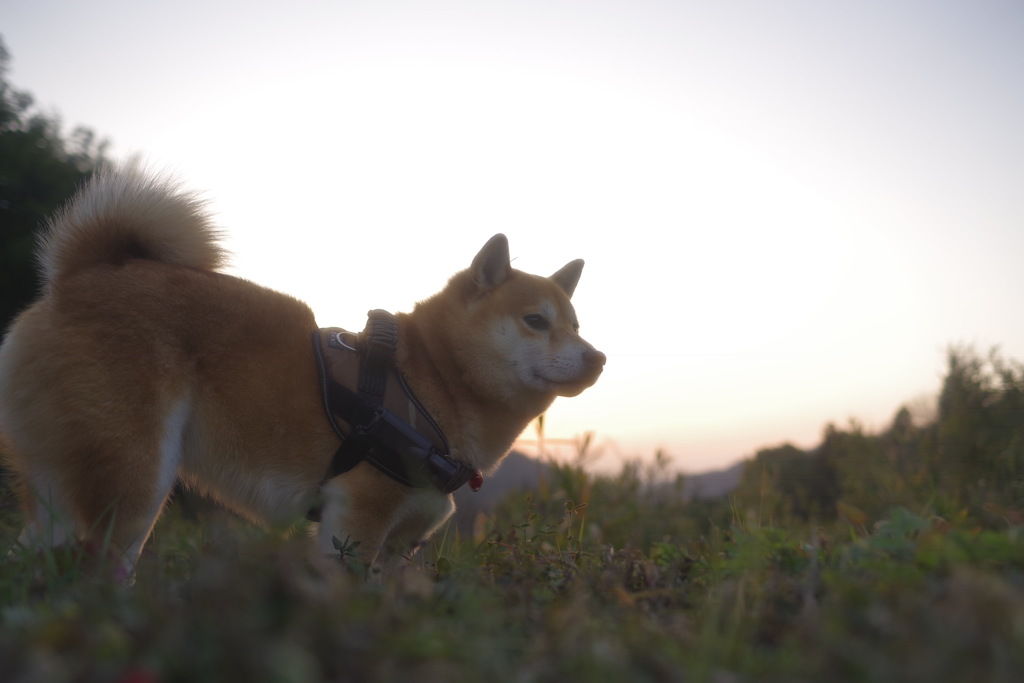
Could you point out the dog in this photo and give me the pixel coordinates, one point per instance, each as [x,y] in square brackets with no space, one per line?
[141,366]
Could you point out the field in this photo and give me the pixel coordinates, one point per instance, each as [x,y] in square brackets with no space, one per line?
[895,556]
[596,579]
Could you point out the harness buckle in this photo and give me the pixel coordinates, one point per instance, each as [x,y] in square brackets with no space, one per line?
[367,428]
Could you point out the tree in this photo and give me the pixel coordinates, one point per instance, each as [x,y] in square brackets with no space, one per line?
[39,170]
[787,482]
[980,430]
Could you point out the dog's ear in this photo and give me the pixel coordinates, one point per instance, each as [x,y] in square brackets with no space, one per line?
[491,266]
[568,276]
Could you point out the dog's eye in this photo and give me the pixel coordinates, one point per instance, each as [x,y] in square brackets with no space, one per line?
[537,322]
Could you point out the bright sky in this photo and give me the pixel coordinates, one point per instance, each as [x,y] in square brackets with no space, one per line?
[789,210]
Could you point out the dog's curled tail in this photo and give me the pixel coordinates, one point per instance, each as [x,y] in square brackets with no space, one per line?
[126,213]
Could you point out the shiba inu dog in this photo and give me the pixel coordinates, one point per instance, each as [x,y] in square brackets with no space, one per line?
[141,366]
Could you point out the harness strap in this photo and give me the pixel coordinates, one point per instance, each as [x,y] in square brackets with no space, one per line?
[378,344]
[378,435]
[388,443]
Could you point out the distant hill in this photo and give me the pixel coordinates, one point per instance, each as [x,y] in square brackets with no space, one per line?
[519,472]
[713,484]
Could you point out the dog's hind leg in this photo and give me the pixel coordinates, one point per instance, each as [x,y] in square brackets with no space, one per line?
[111,500]
[132,537]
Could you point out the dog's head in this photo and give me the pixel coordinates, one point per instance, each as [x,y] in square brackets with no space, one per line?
[517,334]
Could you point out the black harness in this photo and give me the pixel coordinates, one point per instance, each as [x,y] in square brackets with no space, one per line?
[412,451]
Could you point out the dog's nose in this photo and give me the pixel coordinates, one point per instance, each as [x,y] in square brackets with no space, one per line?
[594,357]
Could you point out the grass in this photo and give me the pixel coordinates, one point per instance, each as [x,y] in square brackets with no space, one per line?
[590,579]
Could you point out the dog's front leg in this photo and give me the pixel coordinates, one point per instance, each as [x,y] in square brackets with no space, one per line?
[361,508]
[424,512]
[348,532]
[373,522]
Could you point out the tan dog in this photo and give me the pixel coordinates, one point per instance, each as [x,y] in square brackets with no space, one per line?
[141,365]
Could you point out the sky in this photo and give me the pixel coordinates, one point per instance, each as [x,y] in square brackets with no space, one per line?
[789,211]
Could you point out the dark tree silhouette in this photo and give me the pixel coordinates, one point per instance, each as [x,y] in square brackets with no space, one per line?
[39,169]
